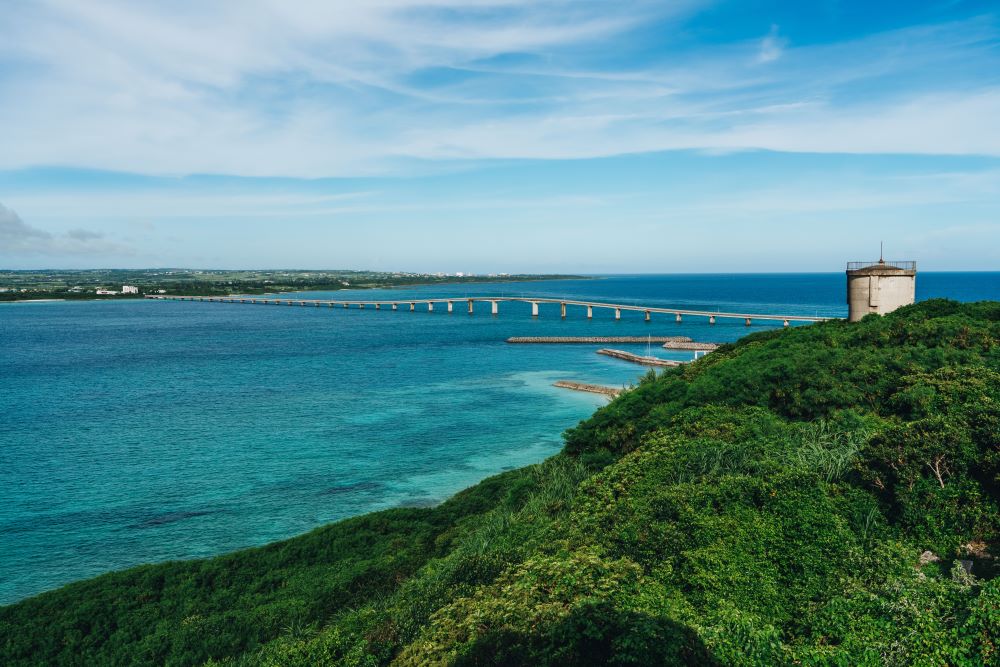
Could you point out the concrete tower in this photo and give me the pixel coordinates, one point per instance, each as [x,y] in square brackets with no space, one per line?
[879,287]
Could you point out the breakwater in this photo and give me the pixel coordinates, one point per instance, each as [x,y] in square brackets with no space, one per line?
[591,388]
[638,359]
[690,345]
[678,340]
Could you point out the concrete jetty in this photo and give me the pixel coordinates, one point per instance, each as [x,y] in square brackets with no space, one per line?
[590,388]
[600,340]
[690,345]
[494,301]
[639,359]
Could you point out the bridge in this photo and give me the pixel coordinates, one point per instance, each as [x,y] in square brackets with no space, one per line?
[495,301]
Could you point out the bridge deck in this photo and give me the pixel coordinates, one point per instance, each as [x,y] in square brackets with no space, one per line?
[617,307]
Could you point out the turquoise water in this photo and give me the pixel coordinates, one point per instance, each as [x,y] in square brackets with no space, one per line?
[141,431]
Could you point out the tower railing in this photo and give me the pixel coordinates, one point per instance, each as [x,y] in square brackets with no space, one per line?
[901,265]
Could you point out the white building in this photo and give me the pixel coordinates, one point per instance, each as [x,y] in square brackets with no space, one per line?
[106,291]
[130,289]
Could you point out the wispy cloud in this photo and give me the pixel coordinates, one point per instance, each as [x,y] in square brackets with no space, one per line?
[347,130]
[347,88]
[771,46]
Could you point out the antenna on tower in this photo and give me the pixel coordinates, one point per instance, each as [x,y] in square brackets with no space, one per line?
[881,252]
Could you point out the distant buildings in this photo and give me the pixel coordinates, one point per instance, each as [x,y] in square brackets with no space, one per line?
[126,289]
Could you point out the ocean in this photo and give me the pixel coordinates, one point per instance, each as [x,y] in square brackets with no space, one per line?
[140,431]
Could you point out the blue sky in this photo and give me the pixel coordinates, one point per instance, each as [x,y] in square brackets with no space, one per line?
[499,135]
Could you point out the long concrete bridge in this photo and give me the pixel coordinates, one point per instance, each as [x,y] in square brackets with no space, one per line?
[495,301]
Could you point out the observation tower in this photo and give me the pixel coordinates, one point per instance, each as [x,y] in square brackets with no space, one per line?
[879,287]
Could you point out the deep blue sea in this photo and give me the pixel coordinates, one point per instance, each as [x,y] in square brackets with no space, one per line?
[140,431]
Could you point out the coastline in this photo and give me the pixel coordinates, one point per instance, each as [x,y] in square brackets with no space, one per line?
[319,288]
[554,323]
[39,300]
[392,557]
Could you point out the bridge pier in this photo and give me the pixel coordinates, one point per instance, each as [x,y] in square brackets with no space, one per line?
[647,311]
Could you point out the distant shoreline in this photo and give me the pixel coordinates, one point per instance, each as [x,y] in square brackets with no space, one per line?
[470,281]
[42,300]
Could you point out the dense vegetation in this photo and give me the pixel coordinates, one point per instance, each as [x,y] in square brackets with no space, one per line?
[810,496]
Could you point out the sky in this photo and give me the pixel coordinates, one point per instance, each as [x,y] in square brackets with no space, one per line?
[484,136]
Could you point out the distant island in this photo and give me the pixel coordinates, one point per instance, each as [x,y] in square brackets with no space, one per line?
[816,495]
[83,284]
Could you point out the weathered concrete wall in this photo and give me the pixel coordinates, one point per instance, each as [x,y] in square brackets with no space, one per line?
[879,290]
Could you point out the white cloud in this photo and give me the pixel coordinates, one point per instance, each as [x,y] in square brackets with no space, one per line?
[338,88]
[771,46]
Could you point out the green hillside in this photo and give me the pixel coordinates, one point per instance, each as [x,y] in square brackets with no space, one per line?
[807,496]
